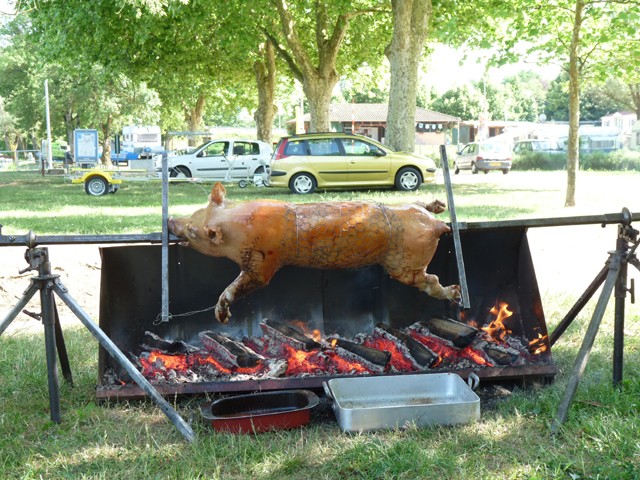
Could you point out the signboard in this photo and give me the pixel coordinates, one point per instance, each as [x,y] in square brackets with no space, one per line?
[86,145]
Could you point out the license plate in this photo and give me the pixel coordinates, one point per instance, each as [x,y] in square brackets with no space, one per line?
[495,164]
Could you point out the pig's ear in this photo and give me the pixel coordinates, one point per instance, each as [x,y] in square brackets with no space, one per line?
[214,234]
[217,193]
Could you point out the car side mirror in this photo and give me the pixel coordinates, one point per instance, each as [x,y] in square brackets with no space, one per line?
[379,153]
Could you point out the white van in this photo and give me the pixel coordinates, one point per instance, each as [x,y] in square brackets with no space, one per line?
[223,160]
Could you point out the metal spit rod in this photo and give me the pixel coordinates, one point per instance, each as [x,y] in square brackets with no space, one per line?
[31,240]
[164,313]
[462,275]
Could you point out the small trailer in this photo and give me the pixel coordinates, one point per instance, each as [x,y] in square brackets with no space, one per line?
[97,182]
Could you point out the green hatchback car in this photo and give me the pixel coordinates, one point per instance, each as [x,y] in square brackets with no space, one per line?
[309,161]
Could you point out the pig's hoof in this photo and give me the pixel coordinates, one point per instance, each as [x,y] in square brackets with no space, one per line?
[222,314]
[453,293]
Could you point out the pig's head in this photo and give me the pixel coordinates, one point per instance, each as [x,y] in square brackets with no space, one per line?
[197,230]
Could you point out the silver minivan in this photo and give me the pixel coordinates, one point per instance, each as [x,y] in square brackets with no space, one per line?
[483,157]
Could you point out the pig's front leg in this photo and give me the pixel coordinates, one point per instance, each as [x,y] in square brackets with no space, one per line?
[245,283]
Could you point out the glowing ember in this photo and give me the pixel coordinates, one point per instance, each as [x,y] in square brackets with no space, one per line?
[398,360]
[538,345]
[497,329]
[159,363]
[451,354]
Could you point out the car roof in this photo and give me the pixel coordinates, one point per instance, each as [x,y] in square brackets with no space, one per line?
[321,134]
[236,140]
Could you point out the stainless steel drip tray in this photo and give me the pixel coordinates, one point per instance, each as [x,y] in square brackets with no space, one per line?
[388,402]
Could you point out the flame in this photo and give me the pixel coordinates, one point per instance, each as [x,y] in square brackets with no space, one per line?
[497,329]
[450,353]
[398,360]
[333,342]
[316,335]
[538,345]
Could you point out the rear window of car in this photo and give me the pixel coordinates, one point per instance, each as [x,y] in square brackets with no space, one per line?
[353,146]
[324,146]
[295,147]
[495,148]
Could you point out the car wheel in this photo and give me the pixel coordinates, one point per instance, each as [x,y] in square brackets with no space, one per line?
[302,183]
[179,172]
[505,170]
[474,168]
[408,179]
[485,171]
[96,186]
[456,168]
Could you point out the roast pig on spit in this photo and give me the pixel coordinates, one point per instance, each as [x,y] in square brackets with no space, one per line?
[262,236]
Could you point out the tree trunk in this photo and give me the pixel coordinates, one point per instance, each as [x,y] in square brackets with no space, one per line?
[318,90]
[573,145]
[71,122]
[193,117]
[410,28]
[318,76]
[265,69]
[106,141]
[634,90]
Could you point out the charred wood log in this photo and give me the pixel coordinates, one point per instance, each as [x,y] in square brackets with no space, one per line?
[371,358]
[423,356]
[288,335]
[458,333]
[151,341]
[501,356]
[230,352]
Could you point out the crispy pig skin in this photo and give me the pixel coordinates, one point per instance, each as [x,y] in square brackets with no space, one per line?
[264,235]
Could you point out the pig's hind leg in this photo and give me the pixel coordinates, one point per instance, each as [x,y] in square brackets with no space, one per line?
[428,283]
[243,284]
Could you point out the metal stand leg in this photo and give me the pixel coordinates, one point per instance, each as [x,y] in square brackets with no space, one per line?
[616,278]
[48,320]
[579,305]
[113,350]
[13,313]
[587,343]
[47,283]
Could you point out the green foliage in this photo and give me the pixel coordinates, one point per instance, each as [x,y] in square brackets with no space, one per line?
[464,102]
[596,101]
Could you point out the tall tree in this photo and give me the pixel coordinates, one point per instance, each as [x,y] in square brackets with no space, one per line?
[318,39]
[582,35]
[410,30]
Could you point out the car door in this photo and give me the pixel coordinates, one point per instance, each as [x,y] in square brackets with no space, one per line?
[211,161]
[243,160]
[368,164]
[327,161]
[463,160]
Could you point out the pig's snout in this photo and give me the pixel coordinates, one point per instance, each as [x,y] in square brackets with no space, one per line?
[176,227]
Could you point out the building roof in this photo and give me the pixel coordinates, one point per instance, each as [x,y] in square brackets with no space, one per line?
[377,112]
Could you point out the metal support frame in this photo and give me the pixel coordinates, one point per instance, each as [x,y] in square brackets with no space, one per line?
[47,284]
[614,277]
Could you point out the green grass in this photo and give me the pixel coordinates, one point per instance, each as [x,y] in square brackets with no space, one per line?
[133,440]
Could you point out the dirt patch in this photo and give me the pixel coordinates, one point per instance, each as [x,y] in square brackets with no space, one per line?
[79,270]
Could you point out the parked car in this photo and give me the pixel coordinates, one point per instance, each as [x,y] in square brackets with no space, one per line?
[536,145]
[483,157]
[305,162]
[223,160]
